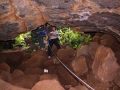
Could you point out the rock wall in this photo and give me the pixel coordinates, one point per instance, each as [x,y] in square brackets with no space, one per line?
[20,16]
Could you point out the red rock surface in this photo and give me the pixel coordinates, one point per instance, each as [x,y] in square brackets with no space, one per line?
[19,16]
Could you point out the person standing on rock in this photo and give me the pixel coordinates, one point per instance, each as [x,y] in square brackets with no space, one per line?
[42,33]
[34,39]
[53,39]
[37,38]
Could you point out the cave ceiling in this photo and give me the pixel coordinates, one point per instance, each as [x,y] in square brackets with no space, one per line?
[20,16]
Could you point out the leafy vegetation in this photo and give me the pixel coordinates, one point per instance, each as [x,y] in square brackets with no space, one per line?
[20,40]
[74,39]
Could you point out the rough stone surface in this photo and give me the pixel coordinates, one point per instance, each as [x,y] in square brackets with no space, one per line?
[83,50]
[17,73]
[117,78]
[91,80]
[102,86]
[79,65]
[5,67]
[48,77]
[96,37]
[79,87]
[107,40]
[49,62]
[48,85]
[108,4]
[25,81]
[7,86]
[33,71]
[19,16]
[39,52]
[118,57]
[34,61]
[6,76]
[12,57]
[93,48]
[65,77]
[105,66]
[65,54]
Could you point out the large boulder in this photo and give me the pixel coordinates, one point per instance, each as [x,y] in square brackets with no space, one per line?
[107,40]
[79,87]
[91,80]
[48,77]
[65,55]
[83,50]
[7,86]
[117,78]
[25,81]
[6,76]
[48,85]
[12,57]
[34,61]
[105,66]
[65,77]
[17,73]
[33,71]
[79,65]
[93,48]
[5,67]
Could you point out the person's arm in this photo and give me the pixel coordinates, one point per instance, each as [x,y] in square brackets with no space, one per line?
[55,34]
[49,34]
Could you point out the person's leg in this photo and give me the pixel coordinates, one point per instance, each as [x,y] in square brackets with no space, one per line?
[56,42]
[33,45]
[46,45]
[42,42]
[50,44]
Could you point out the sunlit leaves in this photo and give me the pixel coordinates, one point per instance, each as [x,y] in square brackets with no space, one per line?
[20,40]
[72,38]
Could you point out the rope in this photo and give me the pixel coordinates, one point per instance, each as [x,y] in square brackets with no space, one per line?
[80,80]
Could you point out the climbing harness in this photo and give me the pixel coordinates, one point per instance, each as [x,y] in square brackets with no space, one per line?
[80,80]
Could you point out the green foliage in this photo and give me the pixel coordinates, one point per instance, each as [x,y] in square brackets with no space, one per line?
[72,38]
[20,40]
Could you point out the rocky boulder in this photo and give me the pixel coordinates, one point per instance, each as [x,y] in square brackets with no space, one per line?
[48,85]
[7,86]
[105,66]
